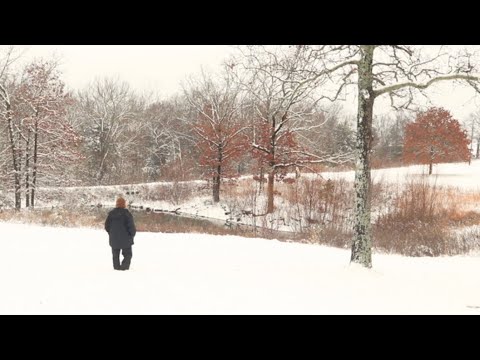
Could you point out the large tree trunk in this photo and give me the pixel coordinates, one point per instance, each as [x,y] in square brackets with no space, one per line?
[478,149]
[362,242]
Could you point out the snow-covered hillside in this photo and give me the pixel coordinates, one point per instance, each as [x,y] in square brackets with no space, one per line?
[458,175]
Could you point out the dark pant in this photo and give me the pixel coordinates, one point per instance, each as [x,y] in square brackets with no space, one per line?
[127,257]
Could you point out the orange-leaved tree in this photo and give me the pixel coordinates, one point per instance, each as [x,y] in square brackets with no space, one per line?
[221,142]
[435,137]
[220,134]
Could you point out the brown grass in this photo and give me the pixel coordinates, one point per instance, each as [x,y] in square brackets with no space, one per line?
[417,219]
[420,219]
[93,217]
[324,207]
[81,217]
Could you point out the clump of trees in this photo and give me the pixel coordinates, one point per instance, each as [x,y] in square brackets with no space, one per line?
[38,137]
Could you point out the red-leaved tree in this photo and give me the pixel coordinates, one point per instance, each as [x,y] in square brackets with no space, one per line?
[221,142]
[283,101]
[435,137]
[220,135]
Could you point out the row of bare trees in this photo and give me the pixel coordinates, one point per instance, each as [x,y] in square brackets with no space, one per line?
[37,136]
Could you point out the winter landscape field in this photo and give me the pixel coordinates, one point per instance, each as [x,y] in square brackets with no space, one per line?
[55,270]
[254,179]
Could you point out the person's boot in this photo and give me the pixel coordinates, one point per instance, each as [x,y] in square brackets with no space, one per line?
[116,259]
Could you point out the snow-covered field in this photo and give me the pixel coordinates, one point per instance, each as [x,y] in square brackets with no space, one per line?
[47,270]
[457,175]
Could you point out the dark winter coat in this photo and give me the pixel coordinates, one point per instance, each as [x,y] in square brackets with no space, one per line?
[121,228]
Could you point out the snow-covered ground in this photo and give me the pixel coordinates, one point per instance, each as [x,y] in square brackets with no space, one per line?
[458,175]
[47,270]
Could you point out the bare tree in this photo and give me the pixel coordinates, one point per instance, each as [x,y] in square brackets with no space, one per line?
[334,142]
[389,134]
[7,84]
[49,141]
[283,86]
[399,71]
[159,137]
[169,140]
[108,109]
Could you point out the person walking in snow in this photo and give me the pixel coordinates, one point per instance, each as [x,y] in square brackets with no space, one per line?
[121,230]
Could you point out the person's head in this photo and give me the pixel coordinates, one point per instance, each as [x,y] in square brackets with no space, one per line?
[120,203]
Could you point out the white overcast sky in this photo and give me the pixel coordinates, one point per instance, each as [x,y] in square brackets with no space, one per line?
[158,68]
[161,68]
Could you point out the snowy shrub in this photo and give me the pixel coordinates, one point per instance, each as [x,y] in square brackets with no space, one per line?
[331,236]
[411,237]
[321,207]
[417,219]
[244,200]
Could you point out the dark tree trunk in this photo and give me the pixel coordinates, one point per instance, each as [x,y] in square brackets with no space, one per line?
[216,186]
[218,175]
[27,171]
[270,187]
[362,242]
[15,160]
[35,159]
